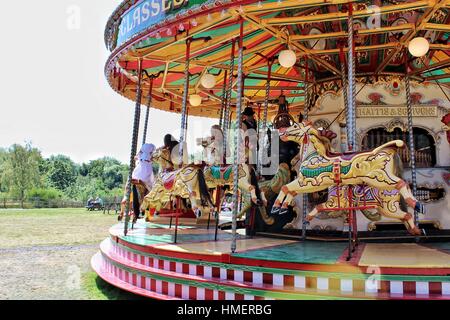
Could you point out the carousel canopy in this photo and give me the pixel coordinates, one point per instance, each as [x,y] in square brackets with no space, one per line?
[316,32]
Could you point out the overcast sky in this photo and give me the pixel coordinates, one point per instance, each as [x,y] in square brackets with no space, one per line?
[52,87]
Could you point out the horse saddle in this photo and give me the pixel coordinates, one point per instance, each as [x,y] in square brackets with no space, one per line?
[168,179]
[347,156]
[221,172]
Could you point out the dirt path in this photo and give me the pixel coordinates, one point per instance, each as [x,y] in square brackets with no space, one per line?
[45,255]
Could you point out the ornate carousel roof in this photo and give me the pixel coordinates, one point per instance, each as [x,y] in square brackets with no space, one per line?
[156,31]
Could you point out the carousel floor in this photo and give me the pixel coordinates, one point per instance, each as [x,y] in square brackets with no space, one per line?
[149,263]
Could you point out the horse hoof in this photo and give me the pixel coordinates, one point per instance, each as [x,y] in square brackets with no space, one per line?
[259,203]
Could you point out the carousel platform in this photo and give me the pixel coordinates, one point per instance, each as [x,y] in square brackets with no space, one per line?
[148,263]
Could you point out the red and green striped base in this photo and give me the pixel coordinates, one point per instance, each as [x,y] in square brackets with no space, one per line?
[159,272]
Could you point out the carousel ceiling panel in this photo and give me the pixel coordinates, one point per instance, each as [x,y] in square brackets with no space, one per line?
[316,30]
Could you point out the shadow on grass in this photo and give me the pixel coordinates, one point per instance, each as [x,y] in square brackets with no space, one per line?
[98,289]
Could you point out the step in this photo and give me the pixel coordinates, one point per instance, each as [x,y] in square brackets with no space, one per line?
[298,279]
[193,286]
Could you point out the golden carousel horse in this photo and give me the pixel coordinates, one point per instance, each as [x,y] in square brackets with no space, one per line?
[320,169]
[186,183]
[223,175]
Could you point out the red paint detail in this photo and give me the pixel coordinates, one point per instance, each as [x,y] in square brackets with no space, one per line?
[409,287]
[289,281]
[268,278]
[221,295]
[185,268]
[165,287]
[239,297]
[435,287]
[248,276]
[230,274]
[200,270]
[384,286]
[209,294]
[134,279]
[193,293]
[178,290]
[173,266]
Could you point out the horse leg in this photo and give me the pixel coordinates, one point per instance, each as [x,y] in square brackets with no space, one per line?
[289,200]
[246,186]
[411,201]
[406,217]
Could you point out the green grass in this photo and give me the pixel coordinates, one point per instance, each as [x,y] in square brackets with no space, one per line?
[97,289]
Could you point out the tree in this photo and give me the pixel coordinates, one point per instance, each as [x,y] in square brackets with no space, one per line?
[21,170]
[62,172]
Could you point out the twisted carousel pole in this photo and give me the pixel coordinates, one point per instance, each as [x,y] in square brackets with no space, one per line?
[412,147]
[224,99]
[227,120]
[305,118]
[270,62]
[345,96]
[185,100]
[147,115]
[237,138]
[134,142]
[351,109]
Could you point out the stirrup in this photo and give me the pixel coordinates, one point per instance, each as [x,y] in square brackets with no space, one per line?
[283,211]
[276,210]
[420,208]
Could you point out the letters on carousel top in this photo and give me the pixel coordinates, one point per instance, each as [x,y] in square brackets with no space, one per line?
[395,111]
[147,13]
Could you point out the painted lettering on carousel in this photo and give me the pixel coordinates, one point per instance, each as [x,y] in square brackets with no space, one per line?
[395,111]
[147,13]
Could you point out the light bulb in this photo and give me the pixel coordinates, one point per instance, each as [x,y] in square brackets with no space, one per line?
[195,100]
[287,58]
[208,81]
[418,47]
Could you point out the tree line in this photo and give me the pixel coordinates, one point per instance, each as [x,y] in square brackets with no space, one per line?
[26,175]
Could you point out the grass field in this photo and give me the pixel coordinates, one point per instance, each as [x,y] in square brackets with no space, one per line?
[45,254]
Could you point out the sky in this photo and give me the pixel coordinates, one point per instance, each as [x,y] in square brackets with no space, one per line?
[53,91]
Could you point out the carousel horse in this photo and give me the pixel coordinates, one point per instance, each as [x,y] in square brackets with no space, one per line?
[186,183]
[321,170]
[386,203]
[142,179]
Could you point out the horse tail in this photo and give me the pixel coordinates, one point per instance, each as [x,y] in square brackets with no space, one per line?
[205,196]
[254,182]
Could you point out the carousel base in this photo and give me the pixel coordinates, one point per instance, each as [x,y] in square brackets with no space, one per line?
[148,263]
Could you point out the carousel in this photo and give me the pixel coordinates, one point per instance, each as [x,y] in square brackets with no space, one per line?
[327,173]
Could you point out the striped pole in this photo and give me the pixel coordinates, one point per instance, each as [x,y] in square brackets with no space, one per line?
[305,118]
[134,142]
[412,147]
[227,116]
[185,100]
[147,116]
[238,136]
[351,109]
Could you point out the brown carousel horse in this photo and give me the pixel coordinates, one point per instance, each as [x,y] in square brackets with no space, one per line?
[320,170]
[186,183]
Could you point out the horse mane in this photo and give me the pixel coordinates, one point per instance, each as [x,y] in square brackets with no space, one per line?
[322,140]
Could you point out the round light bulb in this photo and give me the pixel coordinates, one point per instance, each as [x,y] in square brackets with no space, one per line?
[418,47]
[208,81]
[195,100]
[287,58]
